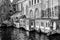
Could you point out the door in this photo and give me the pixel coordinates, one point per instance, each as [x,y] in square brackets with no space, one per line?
[54,25]
[22,23]
[31,24]
[27,24]
[37,25]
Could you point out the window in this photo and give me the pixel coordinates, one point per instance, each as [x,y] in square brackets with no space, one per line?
[46,24]
[35,1]
[49,12]
[37,15]
[56,12]
[49,24]
[45,13]
[42,13]
[14,7]
[42,24]
[32,2]
[53,13]
[31,23]
[31,14]
[29,3]
[19,7]
[27,10]
[16,17]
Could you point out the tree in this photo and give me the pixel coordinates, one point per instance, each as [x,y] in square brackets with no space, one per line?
[5,10]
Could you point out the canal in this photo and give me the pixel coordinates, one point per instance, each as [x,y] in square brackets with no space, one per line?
[21,34]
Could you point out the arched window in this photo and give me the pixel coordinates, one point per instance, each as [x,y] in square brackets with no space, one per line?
[49,12]
[29,3]
[42,24]
[31,14]
[37,14]
[32,2]
[42,13]
[37,1]
[19,7]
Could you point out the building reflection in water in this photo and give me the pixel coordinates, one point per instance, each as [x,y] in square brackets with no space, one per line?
[20,34]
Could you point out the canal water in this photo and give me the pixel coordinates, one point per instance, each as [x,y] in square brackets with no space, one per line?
[22,34]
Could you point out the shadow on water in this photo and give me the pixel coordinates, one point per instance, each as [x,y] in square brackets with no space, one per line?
[55,36]
[23,29]
[19,34]
[7,33]
[34,35]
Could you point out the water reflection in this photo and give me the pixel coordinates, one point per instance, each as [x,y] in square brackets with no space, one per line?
[21,34]
[37,36]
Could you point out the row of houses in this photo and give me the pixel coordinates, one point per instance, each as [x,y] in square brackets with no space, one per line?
[40,14]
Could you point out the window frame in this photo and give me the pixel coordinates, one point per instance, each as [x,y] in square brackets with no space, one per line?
[34,1]
[37,1]
[42,24]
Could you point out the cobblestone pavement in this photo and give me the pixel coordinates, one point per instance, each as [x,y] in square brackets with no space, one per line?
[19,34]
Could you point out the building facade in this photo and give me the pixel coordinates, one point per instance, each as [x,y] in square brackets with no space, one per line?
[50,9]
[34,9]
[25,6]
[18,12]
